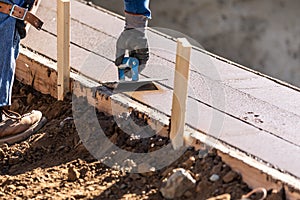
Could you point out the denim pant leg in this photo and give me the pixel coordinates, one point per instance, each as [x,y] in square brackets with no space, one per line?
[138,7]
[9,45]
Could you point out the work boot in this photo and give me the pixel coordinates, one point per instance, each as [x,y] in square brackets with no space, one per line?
[15,128]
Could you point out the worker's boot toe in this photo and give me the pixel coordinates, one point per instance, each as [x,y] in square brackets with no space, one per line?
[14,127]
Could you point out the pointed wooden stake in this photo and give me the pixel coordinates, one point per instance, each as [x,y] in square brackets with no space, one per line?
[180,92]
[63,48]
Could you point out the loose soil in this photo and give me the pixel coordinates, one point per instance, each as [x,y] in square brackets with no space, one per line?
[54,164]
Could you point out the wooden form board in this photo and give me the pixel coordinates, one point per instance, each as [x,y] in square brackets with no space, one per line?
[41,74]
[180,92]
[63,47]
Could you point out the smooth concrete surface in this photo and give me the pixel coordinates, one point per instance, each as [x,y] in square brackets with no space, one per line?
[243,108]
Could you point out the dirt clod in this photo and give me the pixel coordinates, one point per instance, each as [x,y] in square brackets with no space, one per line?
[73,174]
[230,176]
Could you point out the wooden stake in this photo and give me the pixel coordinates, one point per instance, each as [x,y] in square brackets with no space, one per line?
[63,48]
[181,80]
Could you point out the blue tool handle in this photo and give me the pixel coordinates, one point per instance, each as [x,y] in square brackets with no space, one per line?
[131,63]
[121,74]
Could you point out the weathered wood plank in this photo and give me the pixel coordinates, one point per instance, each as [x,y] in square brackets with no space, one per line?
[63,47]
[37,71]
[180,92]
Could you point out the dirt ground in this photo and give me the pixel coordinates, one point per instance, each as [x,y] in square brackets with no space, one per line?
[53,163]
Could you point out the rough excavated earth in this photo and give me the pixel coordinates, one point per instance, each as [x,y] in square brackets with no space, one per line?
[53,163]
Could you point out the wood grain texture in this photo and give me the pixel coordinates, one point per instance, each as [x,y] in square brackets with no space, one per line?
[180,92]
[63,47]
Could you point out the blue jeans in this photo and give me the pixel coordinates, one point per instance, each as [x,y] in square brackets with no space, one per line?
[138,7]
[9,45]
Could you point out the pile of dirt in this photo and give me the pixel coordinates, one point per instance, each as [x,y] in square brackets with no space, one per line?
[54,164]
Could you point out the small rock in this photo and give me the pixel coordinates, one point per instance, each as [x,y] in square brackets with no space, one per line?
[189,163]
[177,184]
[214,178]
[203,151]
[216,169]
[145,169]
[134,176]
[221,197]
[198,176]
[202,187]
[230,176]
[123,186]
[73,174]
[188,194]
